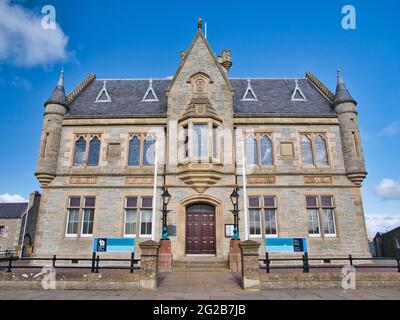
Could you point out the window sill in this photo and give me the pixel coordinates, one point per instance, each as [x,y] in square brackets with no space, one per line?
[146,236]
[71,236]
[330,236]
[271,236]
[256,236]
[133,236]
[314,236]
[86,236]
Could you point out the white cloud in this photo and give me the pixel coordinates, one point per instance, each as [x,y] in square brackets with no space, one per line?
[392,129]
[24,42]
[380,223]
[8,198]
[389,189]
[20,82]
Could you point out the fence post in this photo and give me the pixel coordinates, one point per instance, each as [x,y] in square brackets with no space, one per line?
[267,261]
[54,261]
[149,264]
[10,263]
[398,264]
[93,261]
[350,259]
[97,264]
[306,266]
[250,264]
[132,261]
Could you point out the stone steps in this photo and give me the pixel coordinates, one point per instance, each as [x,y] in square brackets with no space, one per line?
[200,265]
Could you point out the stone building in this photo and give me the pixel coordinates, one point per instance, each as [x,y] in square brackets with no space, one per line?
[290,146]
[387,244]
[13,218]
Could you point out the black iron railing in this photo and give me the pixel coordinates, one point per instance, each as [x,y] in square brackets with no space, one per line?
[8,253]
[306,260]
[12,262]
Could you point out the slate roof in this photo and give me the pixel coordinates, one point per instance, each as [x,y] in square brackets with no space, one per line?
[12,210]
[274,97]
[126,99]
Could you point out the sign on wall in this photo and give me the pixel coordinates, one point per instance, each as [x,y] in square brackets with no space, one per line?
[116,245]
[286,245]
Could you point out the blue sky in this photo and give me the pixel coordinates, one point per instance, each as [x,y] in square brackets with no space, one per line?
[143,39]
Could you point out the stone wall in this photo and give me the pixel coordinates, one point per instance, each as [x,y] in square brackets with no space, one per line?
[364,280]
[9,240]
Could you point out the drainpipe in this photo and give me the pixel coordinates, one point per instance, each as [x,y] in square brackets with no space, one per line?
[246,230]
[154,190]
[23,233]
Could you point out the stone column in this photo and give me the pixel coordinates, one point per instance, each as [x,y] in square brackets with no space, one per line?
[165,256]
[235,263]
[250,265]
[149,264]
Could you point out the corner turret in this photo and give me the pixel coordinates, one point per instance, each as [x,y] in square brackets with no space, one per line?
[56,107]
[345,107]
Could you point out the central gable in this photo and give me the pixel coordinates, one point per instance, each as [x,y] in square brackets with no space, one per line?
[199,74]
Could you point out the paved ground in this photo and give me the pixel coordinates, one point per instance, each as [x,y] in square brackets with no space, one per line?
[204,286]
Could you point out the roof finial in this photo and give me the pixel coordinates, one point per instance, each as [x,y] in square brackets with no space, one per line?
[199,23]
[61,79]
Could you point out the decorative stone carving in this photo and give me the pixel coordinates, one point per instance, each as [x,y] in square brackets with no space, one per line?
[139,180]
[261,180]
[200,176]
[318,180]
[83,180]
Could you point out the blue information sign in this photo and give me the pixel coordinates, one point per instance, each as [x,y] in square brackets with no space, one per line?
[117,245]
[286,245]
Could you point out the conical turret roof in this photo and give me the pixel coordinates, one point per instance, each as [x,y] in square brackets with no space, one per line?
[58,95]
[342,94]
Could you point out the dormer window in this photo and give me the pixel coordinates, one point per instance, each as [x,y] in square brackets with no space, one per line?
[150,95]
[298,95]
[103,96]
[249,94]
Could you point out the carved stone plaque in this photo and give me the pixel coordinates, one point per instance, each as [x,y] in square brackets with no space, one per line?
[114,150]
[287,149]
[139,180]
[318,180]
[83,180]
[261,180]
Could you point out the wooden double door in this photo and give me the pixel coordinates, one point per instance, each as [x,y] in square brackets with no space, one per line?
[200,229]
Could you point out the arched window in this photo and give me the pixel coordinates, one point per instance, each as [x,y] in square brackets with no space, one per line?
[79,153]
[148,152]
[134,152]
[251,151]
[321,151]
[266,151]
[306,151]
[94,152]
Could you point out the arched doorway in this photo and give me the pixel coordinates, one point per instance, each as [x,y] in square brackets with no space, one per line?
[200,229]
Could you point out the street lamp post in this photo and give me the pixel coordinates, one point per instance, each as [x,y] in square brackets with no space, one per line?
[166,197]
[235,201]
